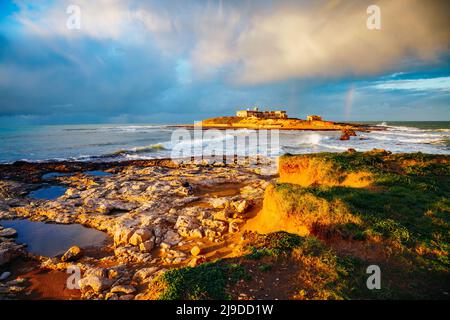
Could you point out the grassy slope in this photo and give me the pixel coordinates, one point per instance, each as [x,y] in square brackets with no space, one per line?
[401,223]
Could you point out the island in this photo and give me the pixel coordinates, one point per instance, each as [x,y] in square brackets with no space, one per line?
[278,119]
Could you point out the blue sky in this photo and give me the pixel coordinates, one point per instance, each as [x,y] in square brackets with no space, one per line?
[180,61]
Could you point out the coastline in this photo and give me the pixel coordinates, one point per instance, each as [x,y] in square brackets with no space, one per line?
[336,127]
[155,212]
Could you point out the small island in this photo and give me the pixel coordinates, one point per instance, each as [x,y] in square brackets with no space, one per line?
[277,119]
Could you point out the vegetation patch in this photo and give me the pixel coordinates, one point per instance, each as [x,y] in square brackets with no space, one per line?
[206,281]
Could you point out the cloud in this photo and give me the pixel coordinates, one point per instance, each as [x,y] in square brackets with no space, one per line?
[330,39]
[265,41]
[176,57]
[433,84]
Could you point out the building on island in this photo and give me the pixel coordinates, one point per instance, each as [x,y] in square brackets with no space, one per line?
[255,113]
[313,118]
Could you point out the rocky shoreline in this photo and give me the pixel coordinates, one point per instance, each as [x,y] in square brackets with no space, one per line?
[210,230]
[158,214]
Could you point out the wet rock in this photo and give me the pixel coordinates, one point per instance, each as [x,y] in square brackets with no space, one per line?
[5,275]
[73,254]
[8,233]
[10,250]
[346,134]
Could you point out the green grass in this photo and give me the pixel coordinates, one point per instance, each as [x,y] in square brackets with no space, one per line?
[206,281]
[282,243]
[408,205]
[408,208]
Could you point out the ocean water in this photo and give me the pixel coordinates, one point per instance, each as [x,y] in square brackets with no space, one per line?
[122,142]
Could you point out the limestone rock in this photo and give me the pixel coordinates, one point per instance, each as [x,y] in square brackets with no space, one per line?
[122,235]
[146,246]
[219,203]
[240,206]
[126,289]
[145,274]
[140,236]
[172,238]
[97,284]
[8,233]
[9,251]
[195,261]
[73,254]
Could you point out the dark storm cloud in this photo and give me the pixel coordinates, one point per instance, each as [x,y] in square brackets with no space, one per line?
[179,61]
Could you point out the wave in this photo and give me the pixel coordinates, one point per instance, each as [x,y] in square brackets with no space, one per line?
[139,150]
[409,134]
[119,128]
[424,140]
[312,139]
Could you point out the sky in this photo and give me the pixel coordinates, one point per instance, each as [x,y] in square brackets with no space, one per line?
[169,61]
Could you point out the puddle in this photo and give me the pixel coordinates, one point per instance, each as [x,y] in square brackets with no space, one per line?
[52,175]
[220,190]
[49,239]
[48,193]
[98,173]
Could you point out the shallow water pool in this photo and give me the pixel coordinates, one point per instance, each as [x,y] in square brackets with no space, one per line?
[98,173]
[48,193]
[49,239]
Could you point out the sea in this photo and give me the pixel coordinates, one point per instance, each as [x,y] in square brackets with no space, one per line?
[114,142]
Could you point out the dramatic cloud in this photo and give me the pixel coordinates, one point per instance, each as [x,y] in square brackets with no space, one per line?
[322,38]
[158,58]
[264,41]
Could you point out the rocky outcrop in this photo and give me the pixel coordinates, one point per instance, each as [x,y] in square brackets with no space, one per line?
[280,124]
[310,170]
[347,133]
[9,250]
[155,215]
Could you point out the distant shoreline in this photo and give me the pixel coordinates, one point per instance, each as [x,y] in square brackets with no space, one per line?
[362,127]
[256,123]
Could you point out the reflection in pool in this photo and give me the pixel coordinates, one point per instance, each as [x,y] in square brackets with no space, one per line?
[52,175]
[48,193]
[48,239]
[98,173]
